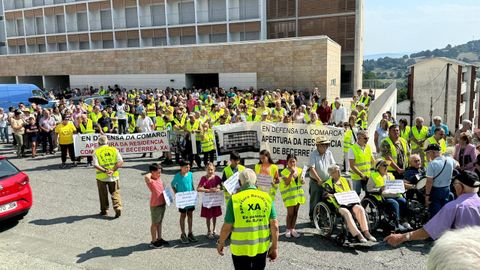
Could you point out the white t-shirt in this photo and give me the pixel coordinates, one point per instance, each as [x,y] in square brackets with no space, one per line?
[145,124]
[121,113]
[339,115]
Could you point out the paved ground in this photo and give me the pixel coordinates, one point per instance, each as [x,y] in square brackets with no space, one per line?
[62,230]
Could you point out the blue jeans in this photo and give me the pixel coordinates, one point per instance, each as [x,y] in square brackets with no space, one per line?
[357,186]
[4,134]
[398,205]
[438,198]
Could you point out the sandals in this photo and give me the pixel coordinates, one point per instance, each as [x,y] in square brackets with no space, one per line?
[210,235]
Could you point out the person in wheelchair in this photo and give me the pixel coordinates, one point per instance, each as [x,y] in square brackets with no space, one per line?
[375,188]
[336,183]
[414,173]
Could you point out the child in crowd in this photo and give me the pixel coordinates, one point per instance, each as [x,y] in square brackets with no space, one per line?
[292,193]
[231,169]
[210,183]
[31,129]
[183,182]
[157,204]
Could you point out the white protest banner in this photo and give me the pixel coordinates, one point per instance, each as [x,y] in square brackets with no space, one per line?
[346,198]
[394,187]
[278,138]
[156,141]
[185,199]
[231,184]
[168,195]
[212,199]
[304,171]
[264,180]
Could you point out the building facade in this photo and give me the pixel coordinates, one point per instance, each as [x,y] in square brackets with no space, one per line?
[49,26]
[444,87]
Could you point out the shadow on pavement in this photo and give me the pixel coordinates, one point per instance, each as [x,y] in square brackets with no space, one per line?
[97,252]
[67,220]
[8,224]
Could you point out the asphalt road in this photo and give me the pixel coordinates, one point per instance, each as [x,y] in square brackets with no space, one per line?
[63,231]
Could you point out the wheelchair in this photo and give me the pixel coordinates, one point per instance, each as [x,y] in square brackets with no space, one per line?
[330,224]
[379,216]
[417,213]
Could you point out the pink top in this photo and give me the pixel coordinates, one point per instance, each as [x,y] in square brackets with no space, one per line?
[205,183]
[191,104]
[156,187]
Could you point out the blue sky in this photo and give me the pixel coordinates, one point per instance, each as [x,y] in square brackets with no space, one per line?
[393,26]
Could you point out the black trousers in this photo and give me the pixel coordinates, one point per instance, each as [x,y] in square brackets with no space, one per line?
[71,152]
[255,263]
[47,138]
[208,157]
[122,126]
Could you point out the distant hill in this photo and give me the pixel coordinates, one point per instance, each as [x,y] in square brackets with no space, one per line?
[382,55]
[396,67]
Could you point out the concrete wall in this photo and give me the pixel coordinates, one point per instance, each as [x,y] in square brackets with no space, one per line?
[429,90]
[299,63]
[129,80]
[240,80]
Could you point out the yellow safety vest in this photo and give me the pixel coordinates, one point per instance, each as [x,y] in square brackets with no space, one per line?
[131,122]
[194,127]
[379,181]
[273,172]
[151,112]
[441,143]
[228,173]
[419,136]
[347,141]
[87,130]
[207,141]
[363,161]
[251,230]
[292,194]
[393,150]
[95,116]
[345,188]
[131,96]
[114,122]
[180,123]
[107,158]
[405,134]
[160,123]
[365,100]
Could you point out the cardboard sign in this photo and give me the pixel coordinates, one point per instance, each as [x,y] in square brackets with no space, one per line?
[213,199]
[264,180]
[232,184]
[346,198]
[394,187]
[168,195]
[185,199]
[304,171]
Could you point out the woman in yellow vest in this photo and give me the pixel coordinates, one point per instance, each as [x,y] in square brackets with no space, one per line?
[292,193]
[267,169]
[376,187]
[404,129]
[208,143]
[337,184]
[65,131]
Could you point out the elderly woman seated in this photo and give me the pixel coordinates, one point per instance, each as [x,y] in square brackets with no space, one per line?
[337,184]
[376,188]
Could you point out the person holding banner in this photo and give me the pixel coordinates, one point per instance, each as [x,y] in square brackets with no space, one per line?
[396,201]
[210,183]
[292,193]
[183,182]
[157,204]
[338,184]
[267,173]
[231,169]
[251,220]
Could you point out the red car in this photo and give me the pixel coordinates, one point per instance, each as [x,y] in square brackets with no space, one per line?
[15,191]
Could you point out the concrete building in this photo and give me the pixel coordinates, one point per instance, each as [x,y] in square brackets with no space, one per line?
[444,87]
[39,27]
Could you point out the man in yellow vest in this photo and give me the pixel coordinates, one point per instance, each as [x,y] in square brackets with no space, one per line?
[395,149]
[251,220]
[438,138]
[231,169]
[418,135]
[107,160]
[361,160]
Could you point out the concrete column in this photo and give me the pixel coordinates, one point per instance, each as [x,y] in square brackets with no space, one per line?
[358,52]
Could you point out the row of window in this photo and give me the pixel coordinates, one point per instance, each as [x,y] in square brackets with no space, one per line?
[103,20]
[130,43]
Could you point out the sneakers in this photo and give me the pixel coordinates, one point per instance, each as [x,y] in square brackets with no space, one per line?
[118,213]
[192,238]
[183,238]
[407,226]
[163,242]
[155,244]
[295,233]
[103,213]
[361,239]
[400,228]
[210,235]
[369,236]
[288,233]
